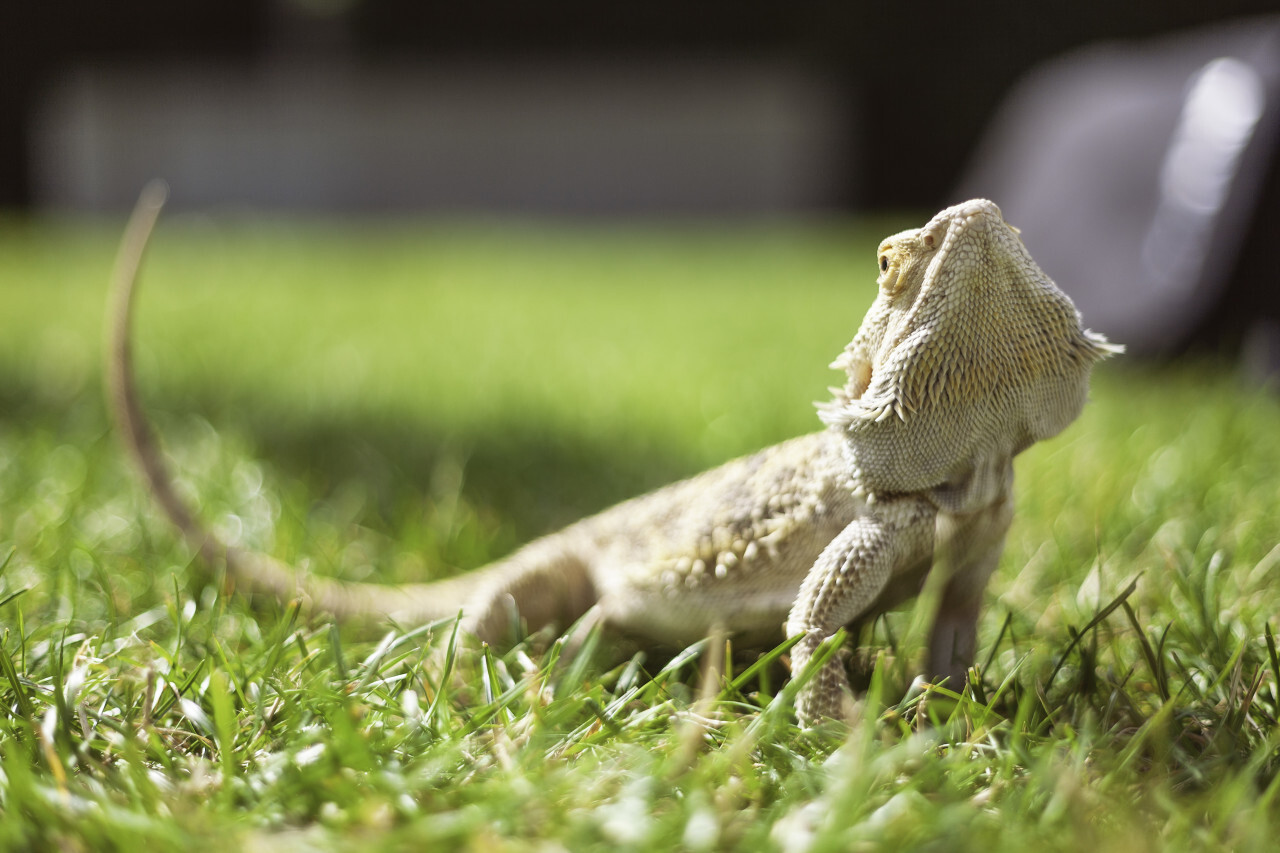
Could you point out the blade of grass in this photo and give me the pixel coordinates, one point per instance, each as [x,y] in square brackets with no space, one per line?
[995,646]
[276,642]
[225,724]
[1093,623]
[166,701]
[335,648]
[763,662]
[1154,664]
[1274,659]
[450,658]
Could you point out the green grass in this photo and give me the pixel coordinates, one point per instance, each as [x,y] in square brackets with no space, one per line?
[406,400]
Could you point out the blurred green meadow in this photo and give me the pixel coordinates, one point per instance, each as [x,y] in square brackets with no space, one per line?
[401,400]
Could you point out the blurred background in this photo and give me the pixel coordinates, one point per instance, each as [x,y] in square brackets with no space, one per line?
[559,105]
[1093,124]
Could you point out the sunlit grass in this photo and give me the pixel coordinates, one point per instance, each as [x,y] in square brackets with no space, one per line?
[400,400]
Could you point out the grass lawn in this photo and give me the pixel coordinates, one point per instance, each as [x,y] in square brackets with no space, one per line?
[405,400]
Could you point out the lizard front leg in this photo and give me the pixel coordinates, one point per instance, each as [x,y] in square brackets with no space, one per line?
[969,549]
[893,535]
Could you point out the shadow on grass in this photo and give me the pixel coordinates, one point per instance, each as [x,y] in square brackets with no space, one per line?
[532,477]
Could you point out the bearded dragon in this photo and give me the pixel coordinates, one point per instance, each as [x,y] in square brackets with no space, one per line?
[968,355]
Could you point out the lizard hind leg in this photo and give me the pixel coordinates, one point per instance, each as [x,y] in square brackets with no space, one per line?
[970,548]
[537,586]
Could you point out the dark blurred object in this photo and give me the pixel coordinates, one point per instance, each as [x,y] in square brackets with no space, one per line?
[1143,177]
[647,135]
[921,80]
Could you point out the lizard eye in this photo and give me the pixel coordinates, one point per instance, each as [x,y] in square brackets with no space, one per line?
[889,272]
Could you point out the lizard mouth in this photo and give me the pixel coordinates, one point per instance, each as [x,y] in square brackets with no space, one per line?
[973,227]
[980,220]
[976,216]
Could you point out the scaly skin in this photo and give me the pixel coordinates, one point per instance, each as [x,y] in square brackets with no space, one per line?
[968,356]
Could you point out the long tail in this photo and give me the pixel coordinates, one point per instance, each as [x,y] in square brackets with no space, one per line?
[252,571]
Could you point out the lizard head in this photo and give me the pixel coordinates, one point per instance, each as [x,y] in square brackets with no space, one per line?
[969,353]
